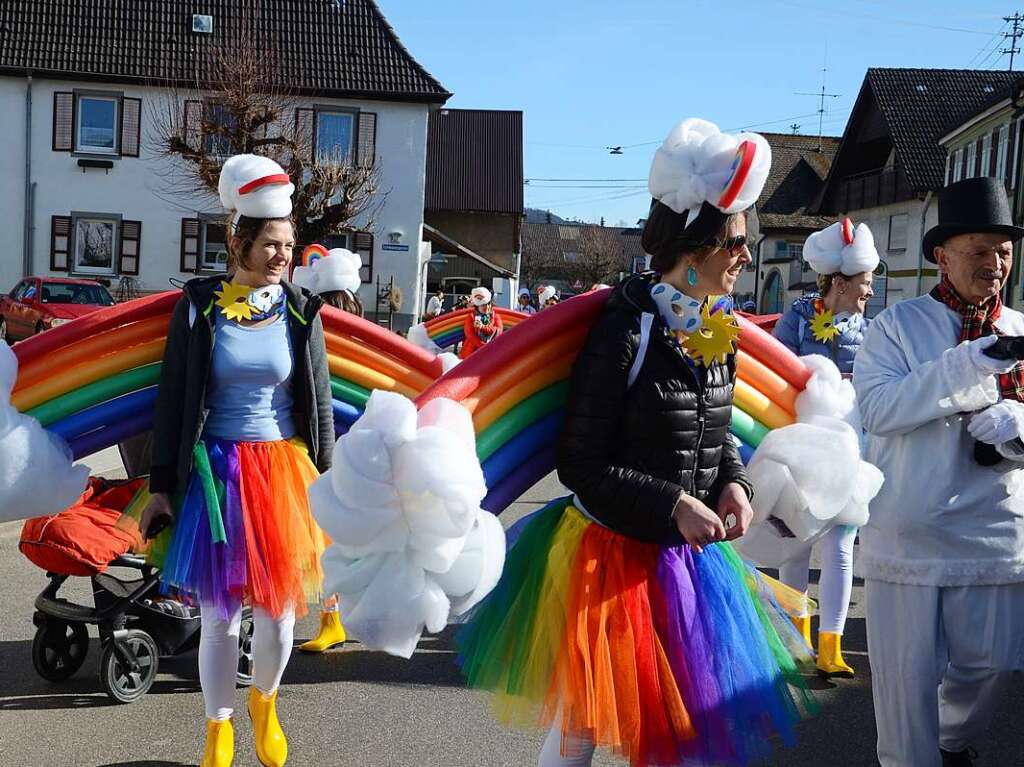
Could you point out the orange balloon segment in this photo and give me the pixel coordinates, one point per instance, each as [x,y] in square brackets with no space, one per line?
[773,386]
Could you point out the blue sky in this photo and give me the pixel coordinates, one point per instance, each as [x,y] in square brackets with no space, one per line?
[590,74]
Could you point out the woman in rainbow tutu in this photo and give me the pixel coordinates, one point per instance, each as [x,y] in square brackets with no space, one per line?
[623,618]
[243,425]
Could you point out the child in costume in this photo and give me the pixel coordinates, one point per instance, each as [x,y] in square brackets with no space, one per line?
[482,325]
[624,618]
[334,276]
[243,425]
[832,325]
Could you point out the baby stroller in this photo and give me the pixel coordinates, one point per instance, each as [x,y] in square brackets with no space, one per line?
[137,625]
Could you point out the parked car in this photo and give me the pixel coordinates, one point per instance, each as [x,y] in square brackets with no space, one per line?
[40,303]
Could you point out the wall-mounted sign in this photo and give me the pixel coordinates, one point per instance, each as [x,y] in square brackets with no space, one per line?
[390,246]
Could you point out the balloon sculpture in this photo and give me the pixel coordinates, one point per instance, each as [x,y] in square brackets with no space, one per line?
[446,331]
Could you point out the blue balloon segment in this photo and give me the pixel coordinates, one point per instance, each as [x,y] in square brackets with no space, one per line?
[105,413]
[450,338]
[746,451]
[517,450]
[109,435]
[345,414]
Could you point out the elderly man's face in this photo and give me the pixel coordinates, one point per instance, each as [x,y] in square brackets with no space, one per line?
[978,265]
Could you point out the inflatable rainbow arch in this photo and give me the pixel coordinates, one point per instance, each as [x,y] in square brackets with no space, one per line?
[447,330]
[93,381]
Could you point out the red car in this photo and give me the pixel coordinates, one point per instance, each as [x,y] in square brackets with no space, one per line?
[40,303]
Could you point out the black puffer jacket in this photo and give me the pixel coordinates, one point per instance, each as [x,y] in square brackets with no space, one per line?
[630,455]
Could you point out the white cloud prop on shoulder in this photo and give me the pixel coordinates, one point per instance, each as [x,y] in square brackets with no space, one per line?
[338,270]
[418,336]
[411,546]
[694,164]
[37,477]
[827,252]
[810,474]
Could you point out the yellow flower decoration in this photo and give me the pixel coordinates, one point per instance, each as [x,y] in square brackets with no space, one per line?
[823,326]
[715,340]
[233,301]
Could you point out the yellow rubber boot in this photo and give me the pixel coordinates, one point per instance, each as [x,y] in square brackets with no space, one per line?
[271,747]
[220,744]
[830,656]
[332,633]
[803,625]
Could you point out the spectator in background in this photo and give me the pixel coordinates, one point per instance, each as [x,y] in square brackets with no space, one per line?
[548,298]
[524,302]
[435,306]
[482,325]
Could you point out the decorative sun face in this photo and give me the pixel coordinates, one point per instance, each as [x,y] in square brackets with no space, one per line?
[716,339]
[233,301]
[823,326]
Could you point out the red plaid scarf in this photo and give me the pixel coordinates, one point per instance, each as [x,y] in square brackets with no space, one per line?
[980,321]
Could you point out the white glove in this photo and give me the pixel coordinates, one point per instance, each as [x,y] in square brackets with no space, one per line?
[985,364]
[999,423]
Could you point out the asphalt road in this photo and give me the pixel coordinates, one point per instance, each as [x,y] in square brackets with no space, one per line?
[350,706]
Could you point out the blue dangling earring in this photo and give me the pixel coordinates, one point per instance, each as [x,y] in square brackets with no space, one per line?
[691,276]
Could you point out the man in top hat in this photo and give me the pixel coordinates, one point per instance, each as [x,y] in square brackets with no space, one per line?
[943,552]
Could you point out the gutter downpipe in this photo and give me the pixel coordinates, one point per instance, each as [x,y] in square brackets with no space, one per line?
[29,186]
[920,256]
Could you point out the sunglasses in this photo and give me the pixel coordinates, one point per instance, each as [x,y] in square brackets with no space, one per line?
[734,244]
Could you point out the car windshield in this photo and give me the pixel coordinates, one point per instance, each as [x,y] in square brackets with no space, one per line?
[65,293]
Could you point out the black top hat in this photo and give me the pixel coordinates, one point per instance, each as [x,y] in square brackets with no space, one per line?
[971,206]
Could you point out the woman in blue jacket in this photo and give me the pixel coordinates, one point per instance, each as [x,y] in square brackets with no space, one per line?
[831,324]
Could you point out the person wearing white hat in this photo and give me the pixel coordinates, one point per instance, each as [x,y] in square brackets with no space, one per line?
[548,297]
[623,612]
[482,325]
[333,275]
[831,324]
[243,424]
[524,302]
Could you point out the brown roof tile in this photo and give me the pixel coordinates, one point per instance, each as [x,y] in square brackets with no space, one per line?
[799,169]
[341,48]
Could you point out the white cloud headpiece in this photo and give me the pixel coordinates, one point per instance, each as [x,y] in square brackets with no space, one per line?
[698,163]
[323,271]
[842,247]
[255,187]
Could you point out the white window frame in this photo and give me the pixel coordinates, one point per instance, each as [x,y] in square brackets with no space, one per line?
[986,154]
[972,157]
[353,116]
[83,148]
[74,266]
[894,242]
[958,165]
[1002,151]
[203,266]
[880,285]
[1016,160]
[949,168]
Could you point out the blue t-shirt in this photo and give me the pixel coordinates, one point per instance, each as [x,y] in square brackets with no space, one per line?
[249,395]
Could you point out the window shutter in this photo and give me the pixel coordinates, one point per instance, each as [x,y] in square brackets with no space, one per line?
[131,126]
[781,249]
[131,240]
[364,247]
[1011,156]
[63,121]
[305,121]
[366,152]
[189,245]
[192,126]
[60,243]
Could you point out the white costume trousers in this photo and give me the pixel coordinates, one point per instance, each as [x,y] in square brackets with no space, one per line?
[218,655]
[940,657]
[578,752]
[836,583]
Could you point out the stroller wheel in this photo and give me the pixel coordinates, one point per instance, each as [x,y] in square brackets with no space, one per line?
[59,649]
[243,674]
[129,666]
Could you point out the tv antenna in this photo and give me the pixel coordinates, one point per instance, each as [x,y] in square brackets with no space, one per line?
[1013,36]
[821,102]
[795,127]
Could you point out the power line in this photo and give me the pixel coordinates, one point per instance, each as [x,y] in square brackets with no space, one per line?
[986,51]
[905,22]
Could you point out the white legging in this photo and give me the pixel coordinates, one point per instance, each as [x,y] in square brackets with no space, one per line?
[218,655]
[579,752]
[836,583]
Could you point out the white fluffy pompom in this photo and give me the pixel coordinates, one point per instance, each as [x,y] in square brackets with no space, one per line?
[418,336]
[827,252]
[411,545]
[810,475]
[37,477]
[338,270]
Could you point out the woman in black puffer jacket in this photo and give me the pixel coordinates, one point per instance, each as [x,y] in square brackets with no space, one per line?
[623,611]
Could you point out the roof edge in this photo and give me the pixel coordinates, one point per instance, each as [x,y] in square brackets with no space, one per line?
[401,46]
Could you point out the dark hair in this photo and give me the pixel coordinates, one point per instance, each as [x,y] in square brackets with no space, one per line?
[247,230]
[667,238]
[344,300]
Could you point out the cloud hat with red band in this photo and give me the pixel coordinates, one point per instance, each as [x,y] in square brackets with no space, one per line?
[699,164]
[842,247]
[255,187]
[324,271]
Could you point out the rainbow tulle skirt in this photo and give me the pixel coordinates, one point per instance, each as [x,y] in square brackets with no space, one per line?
[243,529]
[664,656]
